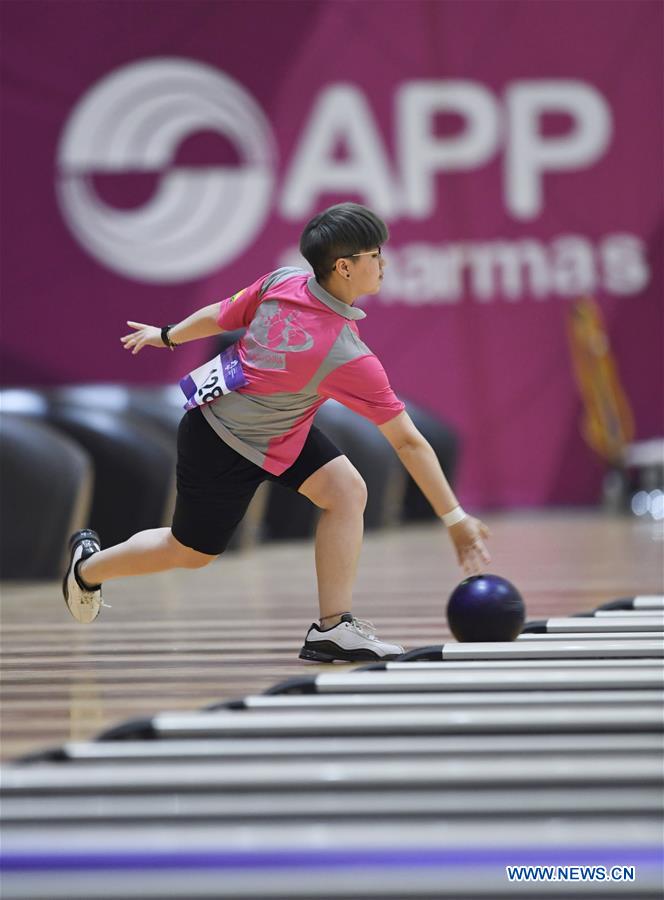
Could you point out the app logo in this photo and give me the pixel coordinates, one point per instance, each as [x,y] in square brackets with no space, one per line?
[198,218]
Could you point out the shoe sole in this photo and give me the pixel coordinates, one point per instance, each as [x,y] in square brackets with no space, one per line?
[348,656]
[74,540]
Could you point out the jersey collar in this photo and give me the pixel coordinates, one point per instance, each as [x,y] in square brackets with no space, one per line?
[337,306]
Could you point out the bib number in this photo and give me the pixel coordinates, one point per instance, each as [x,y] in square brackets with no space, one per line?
[220,375]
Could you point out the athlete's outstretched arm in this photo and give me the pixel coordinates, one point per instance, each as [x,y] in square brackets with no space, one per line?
[202,323]
[468,533]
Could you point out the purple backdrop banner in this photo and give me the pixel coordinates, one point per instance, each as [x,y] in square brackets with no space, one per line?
[159,156]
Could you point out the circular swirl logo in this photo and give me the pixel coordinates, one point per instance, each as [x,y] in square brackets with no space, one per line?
[199,217]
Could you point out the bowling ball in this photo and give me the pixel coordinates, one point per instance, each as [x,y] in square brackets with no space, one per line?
[485,608]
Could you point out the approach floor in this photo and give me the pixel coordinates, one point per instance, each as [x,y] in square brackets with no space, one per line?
[184,640]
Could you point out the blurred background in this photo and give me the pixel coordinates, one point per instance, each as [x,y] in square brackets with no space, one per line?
[159,156]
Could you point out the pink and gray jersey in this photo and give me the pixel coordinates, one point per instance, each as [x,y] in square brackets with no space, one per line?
[301,348]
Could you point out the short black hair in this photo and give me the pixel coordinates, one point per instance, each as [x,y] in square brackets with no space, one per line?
[339,231]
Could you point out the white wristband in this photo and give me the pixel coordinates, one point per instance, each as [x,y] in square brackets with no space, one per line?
[454,516]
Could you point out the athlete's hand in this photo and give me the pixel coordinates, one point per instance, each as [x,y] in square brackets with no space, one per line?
[468,537]
[142,336]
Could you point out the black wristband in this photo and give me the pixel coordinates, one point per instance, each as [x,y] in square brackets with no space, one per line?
[166,338]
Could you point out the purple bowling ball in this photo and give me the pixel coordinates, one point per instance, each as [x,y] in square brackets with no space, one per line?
[485,608]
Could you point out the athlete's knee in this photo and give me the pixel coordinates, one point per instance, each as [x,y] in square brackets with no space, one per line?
[354,491]
[184,557]
[337,485]
[347,491]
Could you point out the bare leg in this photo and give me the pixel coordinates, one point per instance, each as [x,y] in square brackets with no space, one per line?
[155,550]
[338,489]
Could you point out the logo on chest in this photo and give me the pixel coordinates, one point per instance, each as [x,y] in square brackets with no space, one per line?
[273,333]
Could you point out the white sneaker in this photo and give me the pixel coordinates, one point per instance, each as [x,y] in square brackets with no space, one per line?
[83,601]
[351,640]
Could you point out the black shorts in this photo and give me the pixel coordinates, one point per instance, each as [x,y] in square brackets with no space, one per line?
[215,484]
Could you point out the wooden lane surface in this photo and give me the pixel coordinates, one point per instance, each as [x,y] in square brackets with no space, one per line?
[182,640]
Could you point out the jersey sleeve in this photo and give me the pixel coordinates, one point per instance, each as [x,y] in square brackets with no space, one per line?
[362,386]
[238,311]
